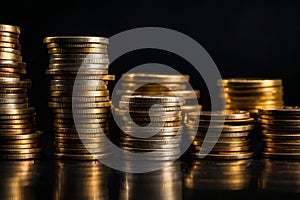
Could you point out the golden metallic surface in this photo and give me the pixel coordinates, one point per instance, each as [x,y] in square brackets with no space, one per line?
[9,39]
[251,82]
[76,39]
[76,45]
[76,50]
[156,78]
[10,28]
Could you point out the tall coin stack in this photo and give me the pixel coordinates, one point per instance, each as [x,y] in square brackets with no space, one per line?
[161,84]
[280,132]
[163,121]
[233,142]
[252,94]
[79,70]
[19,138]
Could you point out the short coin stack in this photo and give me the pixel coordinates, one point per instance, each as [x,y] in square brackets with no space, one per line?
[281,132]
[233,142]
[158,116]
[79,71]
[252,94]
[161,84]
[19,138]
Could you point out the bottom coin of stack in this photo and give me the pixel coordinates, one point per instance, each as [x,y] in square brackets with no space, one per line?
[233,142]
[147,127]
[281,132]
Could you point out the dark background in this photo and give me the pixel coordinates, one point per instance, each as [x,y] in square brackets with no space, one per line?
[253,38]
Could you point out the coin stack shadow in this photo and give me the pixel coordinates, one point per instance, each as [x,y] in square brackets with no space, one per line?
[252,94]
[233,142]
[151,125]
[165,183]
[79,96]
[160,84]
[19,138]
[280,129]
[218,175]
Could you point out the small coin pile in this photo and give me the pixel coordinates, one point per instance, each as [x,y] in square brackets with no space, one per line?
[252,94]
[19,138]
[281,132]
[151,124]
[79,96]
[233,142]
[160,84]
[219,175]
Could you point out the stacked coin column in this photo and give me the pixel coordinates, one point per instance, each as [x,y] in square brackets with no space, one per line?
[252,94]
[145,118]
[79,95]
[19,138]
[161,84]
[280,130]
[233,142]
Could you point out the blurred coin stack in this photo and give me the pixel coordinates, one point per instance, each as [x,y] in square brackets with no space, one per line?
[161,84]
[151,124]
[233,142]
[218,175]
[252,94]
[281,132]
[79,77]
[19,138]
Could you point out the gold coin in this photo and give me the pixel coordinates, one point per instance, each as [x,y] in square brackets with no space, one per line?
[10,45]
[153,119]
[20,148]
[16,121]
[10,28]
[80,99]
[155,78]
[8,34]
[187,94]
[81,157]
[13,70]
[76,45]
[282,155]
[76,39]
[151,99]
[82,111]
[16,117]
[9,39]
[10,56]
[78,87]
[80,93]
[76,50]
[17,111]
[133,105]
[215,115]
[228,149]
[25,136]
[7,75]
[10,50]
[80,72]
[20,156]
[153,124]
[227,155]
[250,82]
[153,86]
[79,105]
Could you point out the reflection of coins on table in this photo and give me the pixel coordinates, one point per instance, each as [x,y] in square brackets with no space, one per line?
[78,67]
[19,138]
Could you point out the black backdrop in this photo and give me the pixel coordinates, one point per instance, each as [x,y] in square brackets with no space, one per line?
[257,38]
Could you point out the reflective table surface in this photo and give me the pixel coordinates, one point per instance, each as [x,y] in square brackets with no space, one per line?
[243,179]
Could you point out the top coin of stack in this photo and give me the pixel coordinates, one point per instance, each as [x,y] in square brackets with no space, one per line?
[19,138]
[233,143]
[281,132]
[160,84]
[252,94]
[79,70]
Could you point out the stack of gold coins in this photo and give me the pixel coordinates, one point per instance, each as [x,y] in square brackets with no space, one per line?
[165,183]
[233,142]
[252,94]
[79,95]
[218,175]
[151,123]
[161,84]
[280,131]
[19,138]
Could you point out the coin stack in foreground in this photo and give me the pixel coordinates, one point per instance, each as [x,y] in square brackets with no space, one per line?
[233,142]
[281,132]
[19,138]
[161,84]
[152,124]
[252,94]
[79,96]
